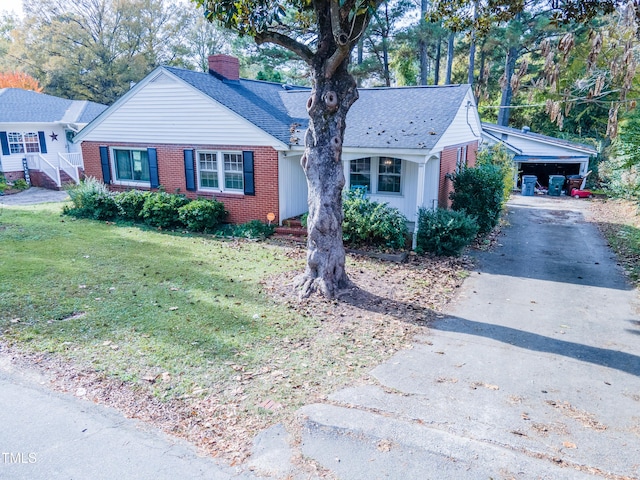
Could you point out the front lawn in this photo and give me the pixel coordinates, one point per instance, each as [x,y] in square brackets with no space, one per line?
[199,335]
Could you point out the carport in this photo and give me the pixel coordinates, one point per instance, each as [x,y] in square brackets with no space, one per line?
[540,155]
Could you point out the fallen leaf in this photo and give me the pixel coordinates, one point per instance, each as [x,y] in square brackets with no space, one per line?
[106,343]
[81,392]
[173,308]
[569,444]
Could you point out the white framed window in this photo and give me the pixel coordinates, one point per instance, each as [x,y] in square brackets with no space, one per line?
[379,175]
[360,173]
[461,158]
[389,174]
[208,170]
[16,142]
[31,142]
[130,165]
[20,142]
[233,177]
[220,171]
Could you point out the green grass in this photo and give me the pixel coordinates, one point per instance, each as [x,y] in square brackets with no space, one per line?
[625,241]
[177,303]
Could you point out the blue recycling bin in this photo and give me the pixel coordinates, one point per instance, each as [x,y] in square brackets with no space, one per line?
[529,185]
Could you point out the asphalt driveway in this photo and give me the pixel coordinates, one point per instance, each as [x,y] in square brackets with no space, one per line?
[534,372]
[34,195]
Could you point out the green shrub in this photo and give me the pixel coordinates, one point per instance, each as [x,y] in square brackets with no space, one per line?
[444,232]
[130,204]
[20,184]
[91,199]
[303,219]
[371,223]
[202,215]
[160,209]
[479,192]
[498,155]
[254,229]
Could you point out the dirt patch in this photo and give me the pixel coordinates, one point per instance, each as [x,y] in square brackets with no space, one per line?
[387,305]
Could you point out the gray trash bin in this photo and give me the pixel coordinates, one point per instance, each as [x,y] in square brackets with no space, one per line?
[529,185]
[556,182]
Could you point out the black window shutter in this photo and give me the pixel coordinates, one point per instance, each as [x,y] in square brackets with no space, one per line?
[189,173]
[5,143]
[153,167]
[247,170]
[43,143]
[104,162]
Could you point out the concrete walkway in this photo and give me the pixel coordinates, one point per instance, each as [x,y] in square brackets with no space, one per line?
[535,372]
[34,195]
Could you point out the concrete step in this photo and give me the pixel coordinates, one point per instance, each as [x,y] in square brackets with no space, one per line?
[294,231]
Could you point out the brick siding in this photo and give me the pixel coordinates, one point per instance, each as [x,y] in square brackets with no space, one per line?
[448,159]
[242,208]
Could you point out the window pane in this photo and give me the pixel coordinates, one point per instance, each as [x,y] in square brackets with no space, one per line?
[360,173]
[389,174]
[233,178]
[140,164]
[123,165]
[389,183]
[208,179]
[15,142]
[32,142]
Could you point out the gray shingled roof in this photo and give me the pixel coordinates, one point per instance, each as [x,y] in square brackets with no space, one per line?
[410,117]
[26,106]
[540,137]
[258,102]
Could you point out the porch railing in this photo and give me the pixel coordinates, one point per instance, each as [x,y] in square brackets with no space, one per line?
[68,167]
[74,159]
[36,161]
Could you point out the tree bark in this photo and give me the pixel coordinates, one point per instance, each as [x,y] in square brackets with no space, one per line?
[447,80]
[472,45]
[436,72]
[327,106]
[424,59]
[505,100]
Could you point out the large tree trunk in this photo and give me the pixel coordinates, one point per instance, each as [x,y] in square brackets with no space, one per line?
[472,45]
[422,43]
[507,92]
[436,74]
[450,44]
[328,105]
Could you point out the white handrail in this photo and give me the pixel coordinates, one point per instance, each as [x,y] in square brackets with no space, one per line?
[36,161]
[74,158]
[68,168]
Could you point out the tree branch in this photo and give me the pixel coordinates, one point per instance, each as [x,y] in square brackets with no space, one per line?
[334,61]
[289,43]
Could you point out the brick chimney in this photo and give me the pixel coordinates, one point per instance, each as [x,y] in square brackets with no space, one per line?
[224,66]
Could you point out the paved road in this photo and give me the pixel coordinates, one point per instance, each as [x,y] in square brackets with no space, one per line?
[534,373]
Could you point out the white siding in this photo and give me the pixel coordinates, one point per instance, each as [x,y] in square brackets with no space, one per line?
[166,110]
[533,147]
[432,183]
[292,187]
[13,162]
[464,128]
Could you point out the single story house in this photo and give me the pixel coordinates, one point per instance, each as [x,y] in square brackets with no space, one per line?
[240,141]
[35,136]
[540,155]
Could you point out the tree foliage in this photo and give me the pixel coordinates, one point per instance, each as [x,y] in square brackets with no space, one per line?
[19,80]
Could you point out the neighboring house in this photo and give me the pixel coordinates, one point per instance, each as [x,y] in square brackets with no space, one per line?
[36,129]
[240,141]
[540,155]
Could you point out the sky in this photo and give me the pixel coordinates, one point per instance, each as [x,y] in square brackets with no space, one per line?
[11,5]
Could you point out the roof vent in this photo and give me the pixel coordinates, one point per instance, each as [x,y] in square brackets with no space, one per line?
[526,129]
